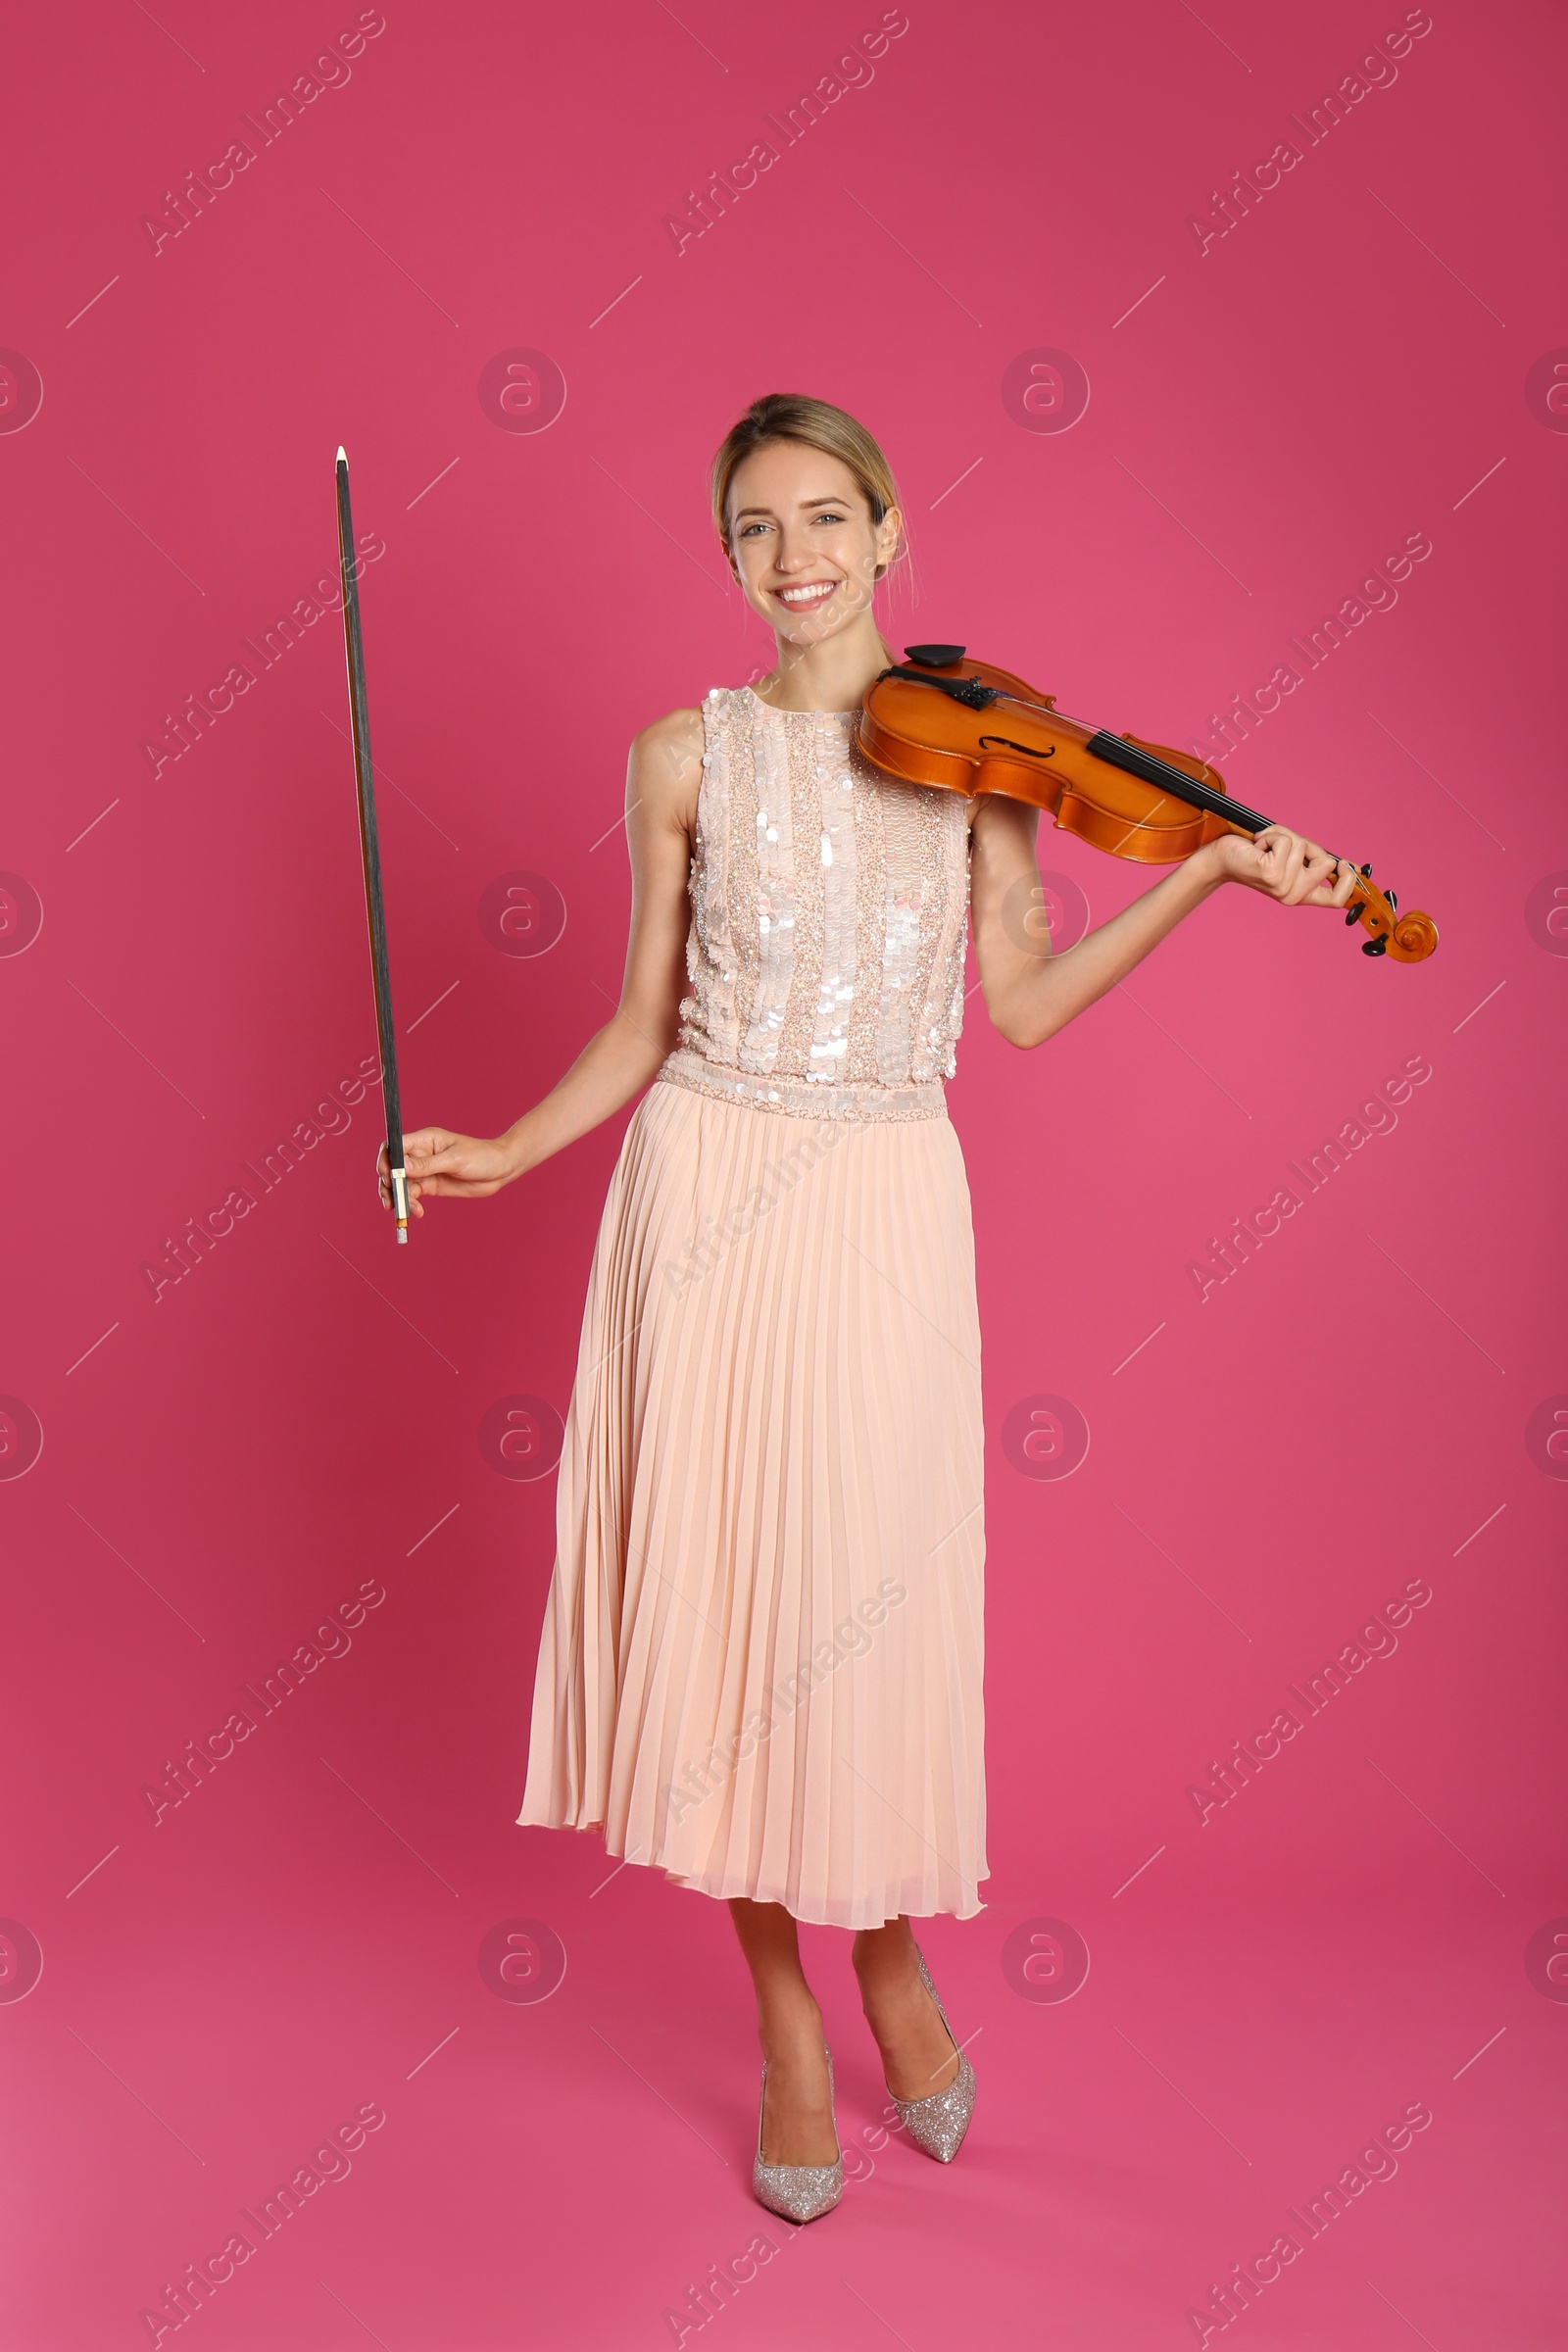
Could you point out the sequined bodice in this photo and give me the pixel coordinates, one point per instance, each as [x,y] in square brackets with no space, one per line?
[829,915]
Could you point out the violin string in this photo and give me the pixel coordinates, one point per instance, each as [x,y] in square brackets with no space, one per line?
[1045,710]
[1370,895]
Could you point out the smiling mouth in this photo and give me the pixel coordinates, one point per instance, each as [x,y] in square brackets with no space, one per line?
[808,596]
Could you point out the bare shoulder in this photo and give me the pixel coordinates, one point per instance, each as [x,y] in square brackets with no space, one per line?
[666,767]
[670,742]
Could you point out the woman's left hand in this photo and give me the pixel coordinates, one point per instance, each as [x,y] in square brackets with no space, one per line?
[1284,866]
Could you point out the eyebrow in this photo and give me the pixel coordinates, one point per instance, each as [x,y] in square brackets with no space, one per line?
[742,512]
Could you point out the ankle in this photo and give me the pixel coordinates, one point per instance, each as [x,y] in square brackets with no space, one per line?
[886,1968]
[790,2031]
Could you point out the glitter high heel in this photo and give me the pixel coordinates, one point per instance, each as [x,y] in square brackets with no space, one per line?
[799,2192]
[937,2124]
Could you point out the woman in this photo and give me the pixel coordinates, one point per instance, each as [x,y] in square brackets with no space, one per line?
[760,1667]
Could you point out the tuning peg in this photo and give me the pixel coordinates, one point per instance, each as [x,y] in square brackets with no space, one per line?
[1355,916]
[1375,947]
[1392,900]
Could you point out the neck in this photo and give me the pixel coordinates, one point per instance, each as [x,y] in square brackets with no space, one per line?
[830,676]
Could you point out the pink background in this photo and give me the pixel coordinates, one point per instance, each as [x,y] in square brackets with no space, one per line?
[1348,365]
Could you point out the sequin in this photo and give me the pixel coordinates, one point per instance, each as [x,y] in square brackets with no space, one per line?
[738,901]
[806,1098]
[830,919]
[798,1033]
[797,2192]
[937,2124]
[871,928]
[927,1045]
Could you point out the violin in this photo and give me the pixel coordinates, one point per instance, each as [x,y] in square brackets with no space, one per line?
[935,718]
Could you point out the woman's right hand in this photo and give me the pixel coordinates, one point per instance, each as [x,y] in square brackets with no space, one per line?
[439,1161]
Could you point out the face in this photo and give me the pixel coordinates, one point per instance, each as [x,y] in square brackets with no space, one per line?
[803,544]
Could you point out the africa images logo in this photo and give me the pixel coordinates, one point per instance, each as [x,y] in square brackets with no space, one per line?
[21,391]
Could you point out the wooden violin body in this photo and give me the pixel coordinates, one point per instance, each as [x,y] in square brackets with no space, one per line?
[937,718]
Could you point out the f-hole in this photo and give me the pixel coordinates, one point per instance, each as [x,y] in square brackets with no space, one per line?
[1007,743]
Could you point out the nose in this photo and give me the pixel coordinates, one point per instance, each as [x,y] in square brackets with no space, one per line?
[793,554]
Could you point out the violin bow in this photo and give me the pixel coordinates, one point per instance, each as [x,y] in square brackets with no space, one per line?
[370,853]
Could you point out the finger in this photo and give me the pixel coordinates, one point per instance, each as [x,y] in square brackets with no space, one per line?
[1328,885]
[1268,850]
[447,1159]
[1286,865]
[1317,869]
[457,1188]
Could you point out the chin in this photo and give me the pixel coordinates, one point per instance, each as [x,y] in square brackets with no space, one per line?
[812,628]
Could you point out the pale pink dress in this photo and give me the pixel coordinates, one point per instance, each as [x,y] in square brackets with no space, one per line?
[760,1663]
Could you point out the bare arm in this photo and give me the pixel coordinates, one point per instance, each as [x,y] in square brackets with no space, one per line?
[1030,994]
[622,1057]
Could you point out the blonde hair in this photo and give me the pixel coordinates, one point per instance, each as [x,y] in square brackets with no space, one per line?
[815,424]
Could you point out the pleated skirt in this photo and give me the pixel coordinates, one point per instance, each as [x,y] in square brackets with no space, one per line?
[761,1657]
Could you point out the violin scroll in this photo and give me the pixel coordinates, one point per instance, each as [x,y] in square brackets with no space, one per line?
[1408,938]
[1413,937]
